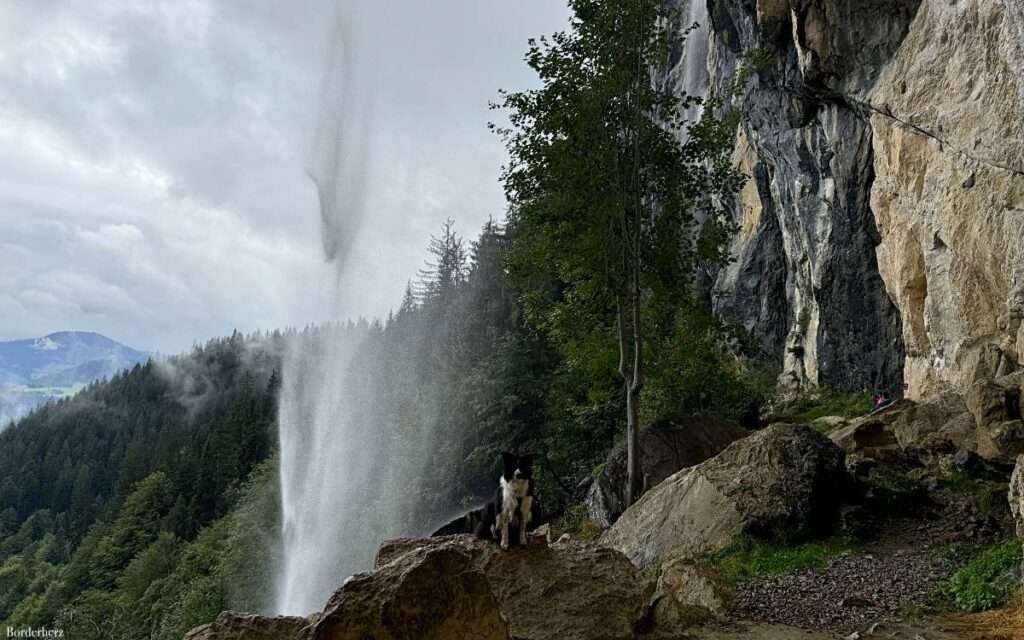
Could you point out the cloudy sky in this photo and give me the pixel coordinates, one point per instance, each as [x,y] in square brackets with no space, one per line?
[154,180]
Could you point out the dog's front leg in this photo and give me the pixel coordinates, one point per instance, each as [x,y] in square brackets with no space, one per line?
[505,520]
[525,507]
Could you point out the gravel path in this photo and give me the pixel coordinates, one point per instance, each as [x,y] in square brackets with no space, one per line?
[849,594]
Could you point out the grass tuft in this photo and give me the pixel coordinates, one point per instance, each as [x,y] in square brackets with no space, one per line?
[577,524]
[747,559]
[820,403]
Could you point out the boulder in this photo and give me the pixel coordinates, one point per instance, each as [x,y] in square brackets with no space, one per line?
[968,463]
[1002,440]
[939,425]
[1016,496]
[996,407]
[693,585]
[440,587]
[430,592]
[237,626]
[870,436]
[784,482]
[938,422]
[667,447]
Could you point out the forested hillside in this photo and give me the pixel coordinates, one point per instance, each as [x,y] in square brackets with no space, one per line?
[114,496]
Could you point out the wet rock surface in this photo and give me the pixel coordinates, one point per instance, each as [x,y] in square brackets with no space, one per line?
[880,233]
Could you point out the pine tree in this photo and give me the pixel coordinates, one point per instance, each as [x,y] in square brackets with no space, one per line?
[446,268]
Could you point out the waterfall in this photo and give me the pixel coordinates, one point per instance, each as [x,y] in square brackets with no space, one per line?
[329,453]
[324,465]
[687,70]
[693,78]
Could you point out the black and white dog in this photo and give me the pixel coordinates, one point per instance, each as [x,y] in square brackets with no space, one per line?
[513,511]
[514,507]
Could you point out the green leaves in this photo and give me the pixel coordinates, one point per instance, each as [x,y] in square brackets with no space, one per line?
[987,580]
[604,197]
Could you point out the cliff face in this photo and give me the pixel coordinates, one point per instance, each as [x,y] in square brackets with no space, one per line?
[949,193]
[868,255]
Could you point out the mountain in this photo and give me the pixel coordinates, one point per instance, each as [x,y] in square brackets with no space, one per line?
[35,370]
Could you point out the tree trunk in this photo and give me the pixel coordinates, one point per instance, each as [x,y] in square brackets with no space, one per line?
[634,455]
[634,472]
[634,468]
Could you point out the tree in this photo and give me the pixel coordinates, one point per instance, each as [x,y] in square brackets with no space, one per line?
[604,197]
[446,268]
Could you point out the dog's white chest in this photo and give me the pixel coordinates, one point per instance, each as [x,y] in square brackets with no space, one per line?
[515,489]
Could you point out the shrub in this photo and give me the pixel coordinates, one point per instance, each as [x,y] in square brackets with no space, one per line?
[577,524]
[987,580]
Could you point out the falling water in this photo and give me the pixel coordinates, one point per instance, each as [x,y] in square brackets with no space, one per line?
[330,450]
[694,63]
[687,71]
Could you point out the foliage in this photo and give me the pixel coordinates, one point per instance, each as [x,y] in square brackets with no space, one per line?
[577,524]
[698,376]
[605,198]
[990,496]
[126,478]
[746,559]
[988,579]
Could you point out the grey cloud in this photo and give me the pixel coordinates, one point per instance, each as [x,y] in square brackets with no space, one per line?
[154,186]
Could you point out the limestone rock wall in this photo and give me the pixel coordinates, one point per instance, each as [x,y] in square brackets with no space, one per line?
[881,230]
[948,126]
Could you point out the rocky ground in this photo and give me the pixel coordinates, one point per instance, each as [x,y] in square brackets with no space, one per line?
[852,593]
[878,584]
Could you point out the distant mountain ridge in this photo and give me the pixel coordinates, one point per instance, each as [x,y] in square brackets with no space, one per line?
[35,370]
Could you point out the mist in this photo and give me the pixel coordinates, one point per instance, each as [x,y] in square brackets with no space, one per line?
[358,422]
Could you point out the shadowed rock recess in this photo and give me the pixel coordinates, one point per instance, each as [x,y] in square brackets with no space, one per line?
[668,447]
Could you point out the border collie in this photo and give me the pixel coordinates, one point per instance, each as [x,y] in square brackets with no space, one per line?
[513,508]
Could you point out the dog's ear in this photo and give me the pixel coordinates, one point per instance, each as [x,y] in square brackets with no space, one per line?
[526,461]
[508,460]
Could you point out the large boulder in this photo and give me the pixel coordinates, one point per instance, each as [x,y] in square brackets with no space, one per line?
[667,447]
[938,425]
[996,406]
[784,482]
[462,587]
[433,592]
[238,626]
